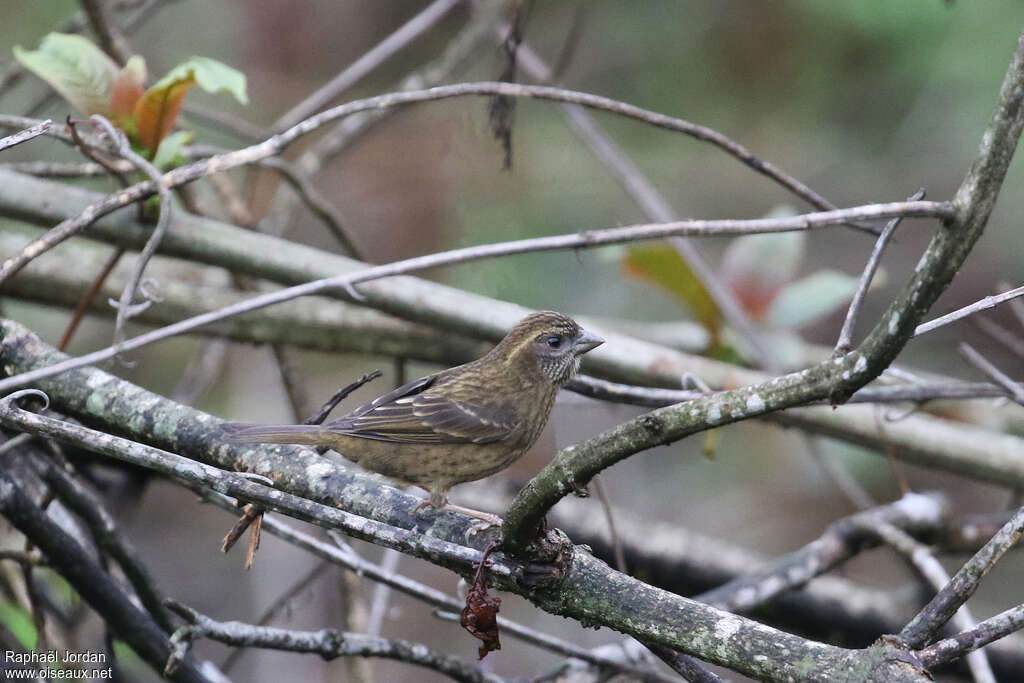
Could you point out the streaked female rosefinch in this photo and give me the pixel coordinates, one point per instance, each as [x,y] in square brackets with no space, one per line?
[457,425]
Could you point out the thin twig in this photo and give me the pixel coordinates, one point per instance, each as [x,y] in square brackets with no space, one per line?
[279,603]
[602,497]
[25,135]
[987,368]
[924,562]
[225,121]
[845,341]
[347,281]
[65,169]
[987,631]
[842,540]
[982,305]
[382,593]
[1014,342]
[201,372]
[328,643]
[933,616]
[90,295]
[369,61]
[840,476]
[321,207]
[109,37]
[125,151]
[275,144]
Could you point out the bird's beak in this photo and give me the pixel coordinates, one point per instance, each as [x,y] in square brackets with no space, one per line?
[587,341]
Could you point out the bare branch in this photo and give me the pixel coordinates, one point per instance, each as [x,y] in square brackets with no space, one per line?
[25,135]
[275,144]
[344,557]
[191,472]
[982,305]
[328,643]
[20,122]
[65,169]
[584,592]
[125,151]
[845,341]
[110,38]
[590,239]
[970,451]
[842,540]
[987,368]
[922,559]
[989,630]
[941,608]
[373,58]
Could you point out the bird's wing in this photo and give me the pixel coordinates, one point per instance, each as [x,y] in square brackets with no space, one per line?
[414,414]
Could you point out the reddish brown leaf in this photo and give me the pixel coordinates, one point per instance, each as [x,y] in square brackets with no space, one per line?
[480,615]
[157,110]
[127,89]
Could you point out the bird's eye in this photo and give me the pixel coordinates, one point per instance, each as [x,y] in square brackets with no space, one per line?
[554,342]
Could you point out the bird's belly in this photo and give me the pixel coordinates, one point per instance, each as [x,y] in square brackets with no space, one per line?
[427,464]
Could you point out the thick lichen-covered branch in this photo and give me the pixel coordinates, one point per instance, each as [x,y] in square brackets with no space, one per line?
[311,488]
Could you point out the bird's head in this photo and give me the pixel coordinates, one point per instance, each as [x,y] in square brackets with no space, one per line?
[549,341]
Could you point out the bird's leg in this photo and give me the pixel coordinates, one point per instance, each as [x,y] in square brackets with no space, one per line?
[437,500]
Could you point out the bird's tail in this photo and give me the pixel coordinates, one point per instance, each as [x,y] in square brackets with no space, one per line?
[243,431]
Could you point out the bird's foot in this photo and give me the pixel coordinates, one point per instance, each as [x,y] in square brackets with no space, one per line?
[487,520]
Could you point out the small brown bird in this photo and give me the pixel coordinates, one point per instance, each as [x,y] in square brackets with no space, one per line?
[460,424]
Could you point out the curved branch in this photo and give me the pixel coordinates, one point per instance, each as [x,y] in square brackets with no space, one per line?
[836,379]
[347,281]
[328,643]
[276,144]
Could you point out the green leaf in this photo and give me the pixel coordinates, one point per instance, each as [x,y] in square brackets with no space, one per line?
[662,265]
[19,623]
[210,75]
[168,153]
[77,69]
[809,300]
